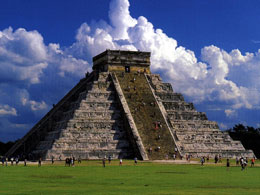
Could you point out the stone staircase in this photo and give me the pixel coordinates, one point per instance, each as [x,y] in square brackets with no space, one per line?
[91,128]
[195,135]
[150,123]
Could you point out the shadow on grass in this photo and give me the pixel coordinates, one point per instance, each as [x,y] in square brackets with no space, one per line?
[173,172]
[52,176]
[227,187]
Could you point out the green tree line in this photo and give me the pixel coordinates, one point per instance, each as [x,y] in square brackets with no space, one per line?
[249,137]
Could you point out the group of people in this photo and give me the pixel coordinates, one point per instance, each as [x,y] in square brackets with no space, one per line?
[243,162]
[4,161]
[217,159]
[120,161]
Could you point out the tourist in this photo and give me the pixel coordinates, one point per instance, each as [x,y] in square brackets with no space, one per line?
[25,162]
[135,159]
[253,162]
[156,126]
[237,161]
[202,160]
[104,162]
[228,164]
[16,161]
[216,159]
[12,161]
[67,162]
[52,160]
[242,163]
[40,162]
[120,162]
[245,162]
[219,159]
[70,161]
[3,161]
[73,160]
[109,159]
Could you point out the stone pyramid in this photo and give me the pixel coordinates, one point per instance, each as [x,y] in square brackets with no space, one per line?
[121,109]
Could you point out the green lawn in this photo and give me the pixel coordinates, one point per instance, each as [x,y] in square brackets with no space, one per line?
[145,178]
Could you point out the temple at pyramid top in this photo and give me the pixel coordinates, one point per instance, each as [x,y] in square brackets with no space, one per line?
[122,61]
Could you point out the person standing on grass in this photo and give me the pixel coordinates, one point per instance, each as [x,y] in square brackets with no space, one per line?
[109,159]
[120,162]
[52,160]
[220,159]
[216,159]
[245,162]
[79,160]
[253,162]
[202,160]
[3,161]
[135,159]
[237,161]
[104,162]
[25,162]
[242,163]
[6,161]
[40,162]
[228,164]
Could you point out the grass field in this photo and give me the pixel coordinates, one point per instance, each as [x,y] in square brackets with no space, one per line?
[145,178]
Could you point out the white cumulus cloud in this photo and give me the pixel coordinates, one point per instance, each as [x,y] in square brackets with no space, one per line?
[37,75]
[217,77]
[7,110]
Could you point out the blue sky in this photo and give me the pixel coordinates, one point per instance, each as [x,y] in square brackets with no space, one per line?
[208,50]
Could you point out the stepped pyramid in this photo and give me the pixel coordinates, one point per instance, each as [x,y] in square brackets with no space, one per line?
[122,110]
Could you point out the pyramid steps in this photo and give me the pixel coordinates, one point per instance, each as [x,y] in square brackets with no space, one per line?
[143,106]
[195,134]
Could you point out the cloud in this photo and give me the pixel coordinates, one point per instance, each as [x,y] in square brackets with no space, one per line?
[223,126]
[33,76]
[7,110]
[230,113]
[217,77]
[36,75]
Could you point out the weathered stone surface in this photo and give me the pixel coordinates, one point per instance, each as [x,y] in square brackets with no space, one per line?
[122,110]
[195,135]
